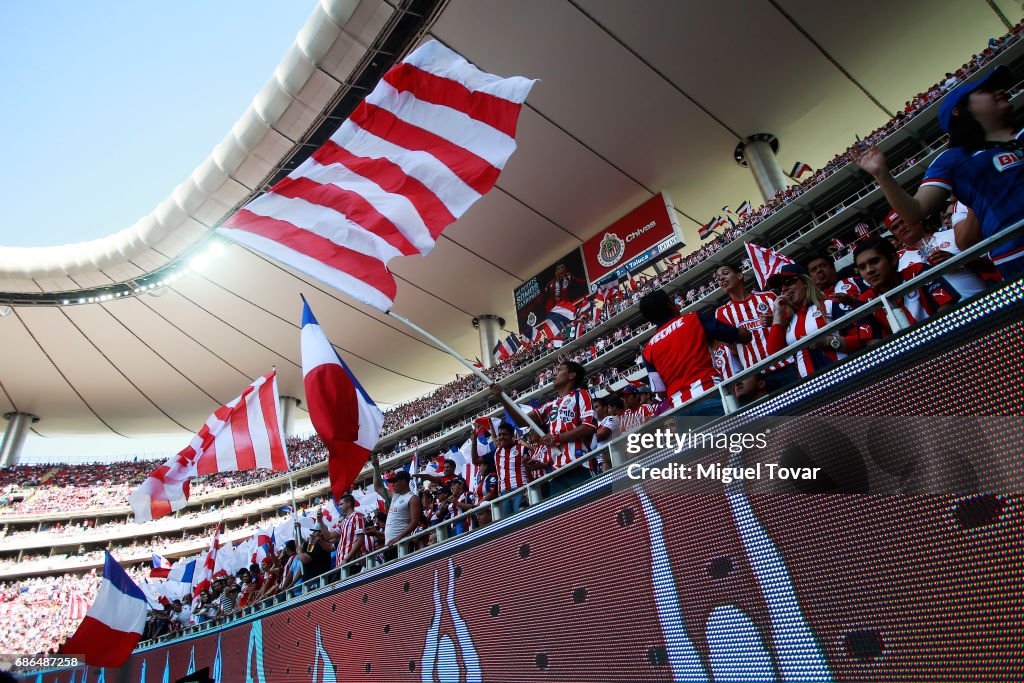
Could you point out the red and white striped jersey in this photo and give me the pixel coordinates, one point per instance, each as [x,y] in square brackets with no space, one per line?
[350,527]
[804,322]
[966,283]
[541,454]
[920,303]
[631,419]
[509,464]
[564,414]
[746,315]
[723,357]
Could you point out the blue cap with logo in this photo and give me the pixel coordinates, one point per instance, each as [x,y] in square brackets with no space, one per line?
[999,77]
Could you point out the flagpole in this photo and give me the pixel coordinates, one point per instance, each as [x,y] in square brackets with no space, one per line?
[487,380]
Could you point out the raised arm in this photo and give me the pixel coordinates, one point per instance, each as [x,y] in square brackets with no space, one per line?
[912,208]
[378,483]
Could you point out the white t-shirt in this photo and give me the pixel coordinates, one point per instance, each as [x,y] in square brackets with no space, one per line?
[184,617]
[398,516]
[962,279]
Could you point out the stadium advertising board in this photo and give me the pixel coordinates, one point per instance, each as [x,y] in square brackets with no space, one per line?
[564,280]
[632,240]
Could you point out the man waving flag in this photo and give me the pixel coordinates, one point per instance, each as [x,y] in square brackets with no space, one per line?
[113,625]
[428,142]
[345,417]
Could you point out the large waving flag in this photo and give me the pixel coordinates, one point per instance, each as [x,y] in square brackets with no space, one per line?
[427,143]
[744,210]
[765,262]
[113,625]
[560,315]
[345,417]
[242,435]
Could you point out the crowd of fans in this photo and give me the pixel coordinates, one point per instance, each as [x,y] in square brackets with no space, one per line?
[48,488]
[33,613]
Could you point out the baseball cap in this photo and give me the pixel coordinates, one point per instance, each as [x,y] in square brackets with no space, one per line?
[891,218]
[786,272]
[999,76]
[630,389]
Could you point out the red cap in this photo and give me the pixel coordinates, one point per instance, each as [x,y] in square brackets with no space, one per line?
[891,218]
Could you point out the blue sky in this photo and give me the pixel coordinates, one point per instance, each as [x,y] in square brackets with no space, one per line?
[107,106]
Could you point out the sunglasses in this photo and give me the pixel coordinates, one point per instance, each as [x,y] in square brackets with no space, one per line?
[787,281]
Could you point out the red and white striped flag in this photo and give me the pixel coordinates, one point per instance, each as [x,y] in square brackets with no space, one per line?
[332,515]
[765,262]
[428,142]
[204,572]
[242,435]
[77,606]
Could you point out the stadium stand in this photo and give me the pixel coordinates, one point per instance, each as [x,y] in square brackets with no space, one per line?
[38,500]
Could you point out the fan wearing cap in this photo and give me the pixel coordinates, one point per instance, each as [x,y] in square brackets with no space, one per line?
[800,310]
[920,247]
[983,167]
[404,510]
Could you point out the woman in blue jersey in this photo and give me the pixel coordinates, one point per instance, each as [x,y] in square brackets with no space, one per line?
[983,167]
